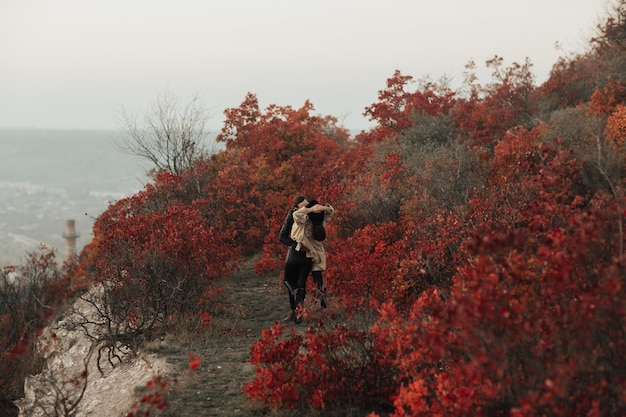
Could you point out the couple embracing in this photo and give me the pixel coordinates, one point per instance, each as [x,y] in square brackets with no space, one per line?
[303,232]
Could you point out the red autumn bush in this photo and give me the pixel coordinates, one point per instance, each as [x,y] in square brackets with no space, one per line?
[330,367]
[509,305]
[528,329]
[31,294]
[156,260]
[373,248]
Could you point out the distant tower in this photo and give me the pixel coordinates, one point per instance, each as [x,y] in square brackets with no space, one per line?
[70,241]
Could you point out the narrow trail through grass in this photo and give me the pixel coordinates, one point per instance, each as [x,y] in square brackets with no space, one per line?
[249,304]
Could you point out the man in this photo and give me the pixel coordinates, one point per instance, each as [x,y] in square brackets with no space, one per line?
[309,231]
[297,264]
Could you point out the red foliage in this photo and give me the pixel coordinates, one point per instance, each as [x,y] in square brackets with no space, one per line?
[164,254]
[194,362]
[509,305]
[395,110]
[506,104]
[615,130]
[526,326]
[270,157]
[155,399]
[605,100]
[325,369]
[569,84]
[373,249]
[30,295]
[284,136]
[276,382]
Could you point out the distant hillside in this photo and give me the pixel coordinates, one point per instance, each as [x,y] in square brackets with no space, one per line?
[50,176]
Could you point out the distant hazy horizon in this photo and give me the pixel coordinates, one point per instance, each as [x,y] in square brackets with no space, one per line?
[50,176]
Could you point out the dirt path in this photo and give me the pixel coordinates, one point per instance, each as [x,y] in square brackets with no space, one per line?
[248,305]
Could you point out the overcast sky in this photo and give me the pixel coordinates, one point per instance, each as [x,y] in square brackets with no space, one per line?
[73,64]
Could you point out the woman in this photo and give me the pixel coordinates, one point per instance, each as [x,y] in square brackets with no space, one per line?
[297,264]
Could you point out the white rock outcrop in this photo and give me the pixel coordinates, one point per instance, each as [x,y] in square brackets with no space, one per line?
[63,379]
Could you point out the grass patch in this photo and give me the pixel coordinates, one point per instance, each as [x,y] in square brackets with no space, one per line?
[249,304]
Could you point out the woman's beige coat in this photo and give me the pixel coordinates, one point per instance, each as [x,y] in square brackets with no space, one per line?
[301,233]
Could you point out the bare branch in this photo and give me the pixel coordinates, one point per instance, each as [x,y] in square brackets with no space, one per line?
[169,135]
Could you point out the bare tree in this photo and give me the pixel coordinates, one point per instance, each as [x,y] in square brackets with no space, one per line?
[169,135]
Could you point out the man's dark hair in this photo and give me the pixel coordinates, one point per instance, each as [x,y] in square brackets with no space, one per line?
[298,199]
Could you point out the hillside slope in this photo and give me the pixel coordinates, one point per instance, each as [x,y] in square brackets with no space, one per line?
[249,304]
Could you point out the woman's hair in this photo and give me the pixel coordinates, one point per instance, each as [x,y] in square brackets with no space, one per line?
[318,231]
[298,199]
